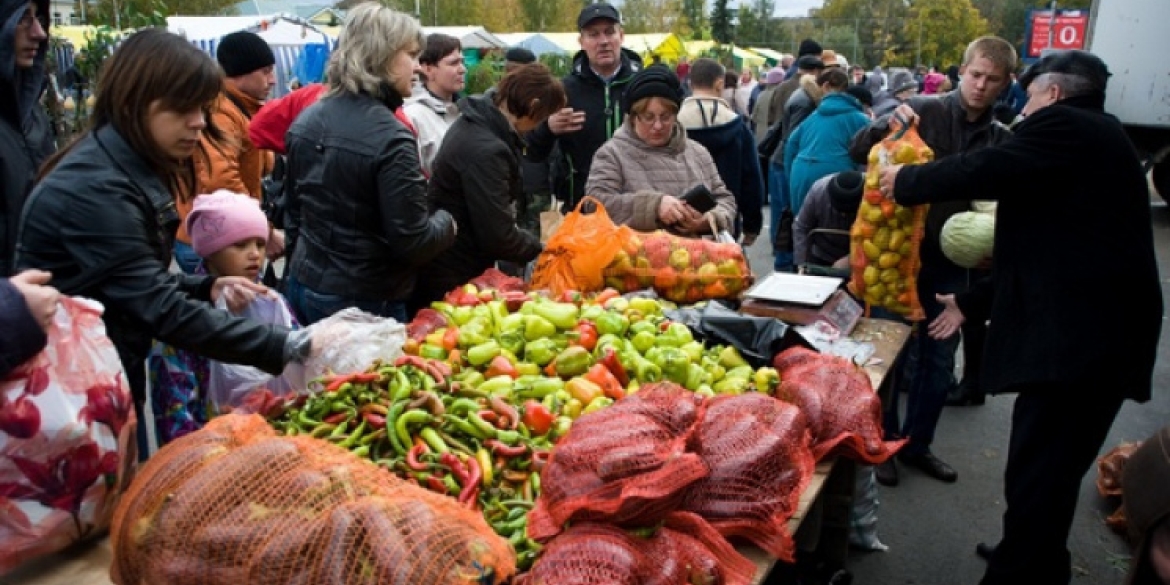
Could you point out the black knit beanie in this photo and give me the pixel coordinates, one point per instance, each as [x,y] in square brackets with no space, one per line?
[809,47]
[653,81]
[845,190]
[243,52]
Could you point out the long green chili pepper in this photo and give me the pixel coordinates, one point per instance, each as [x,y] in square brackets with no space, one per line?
[413,417]
[433,440]
[463,426]
[353,437]
[392,423]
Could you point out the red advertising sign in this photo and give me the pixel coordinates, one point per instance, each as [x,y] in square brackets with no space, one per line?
[1067,30]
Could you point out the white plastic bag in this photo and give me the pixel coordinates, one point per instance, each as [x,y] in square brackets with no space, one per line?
[228,385]
[350,340]
[67,438]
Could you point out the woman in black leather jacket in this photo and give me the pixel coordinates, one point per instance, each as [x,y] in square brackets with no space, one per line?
[357,204]
[102,219]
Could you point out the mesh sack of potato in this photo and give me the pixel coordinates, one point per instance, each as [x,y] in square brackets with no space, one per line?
[885,238]
[234,503]
[683,270]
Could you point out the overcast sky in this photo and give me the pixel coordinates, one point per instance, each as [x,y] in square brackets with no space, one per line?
[788,7]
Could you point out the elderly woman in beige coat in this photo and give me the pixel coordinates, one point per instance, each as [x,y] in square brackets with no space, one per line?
[640,173]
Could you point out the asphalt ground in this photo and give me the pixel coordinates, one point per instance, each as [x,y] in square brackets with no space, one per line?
[931,528]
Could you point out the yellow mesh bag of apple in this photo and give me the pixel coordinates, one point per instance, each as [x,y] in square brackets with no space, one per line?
[234,503]
[886,237]
[683,270]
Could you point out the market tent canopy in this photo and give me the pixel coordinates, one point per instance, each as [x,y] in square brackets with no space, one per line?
[535,42]
[773,57]
[742,57]
[472,37]
[669,47]
[568,41]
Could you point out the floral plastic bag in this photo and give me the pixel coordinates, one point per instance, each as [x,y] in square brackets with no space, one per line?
[230,385]
[67,438]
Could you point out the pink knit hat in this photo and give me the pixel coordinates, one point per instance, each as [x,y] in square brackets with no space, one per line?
[223,218]
[775,76]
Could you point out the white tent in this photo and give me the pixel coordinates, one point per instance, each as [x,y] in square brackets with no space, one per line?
[472,37]
[535,42]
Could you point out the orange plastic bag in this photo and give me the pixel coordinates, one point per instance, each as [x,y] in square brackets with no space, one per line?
[886,237]
[576,254]
[683,270]
[234,503]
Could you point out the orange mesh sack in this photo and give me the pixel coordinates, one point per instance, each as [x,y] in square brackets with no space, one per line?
[626,464]
[685,550]
[574,257]
[757,448]
[844,413]
[885,238]
[233,503]
[684,270]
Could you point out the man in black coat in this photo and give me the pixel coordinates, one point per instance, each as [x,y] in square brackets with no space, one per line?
[595,86]
[1074,322]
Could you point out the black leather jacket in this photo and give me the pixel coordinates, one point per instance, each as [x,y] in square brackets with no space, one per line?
[104,224]
[357,200]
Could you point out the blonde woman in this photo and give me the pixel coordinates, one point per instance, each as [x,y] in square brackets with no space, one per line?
[358,210]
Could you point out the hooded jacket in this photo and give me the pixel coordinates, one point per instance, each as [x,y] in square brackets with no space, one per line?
[602,105]
[630,177]
[800,105]
[710,122]
[478,181]
[103,223]
[820,146]
[357,201]
[26,137]
[432,117]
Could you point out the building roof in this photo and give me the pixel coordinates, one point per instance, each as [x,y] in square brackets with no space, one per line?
[302,8]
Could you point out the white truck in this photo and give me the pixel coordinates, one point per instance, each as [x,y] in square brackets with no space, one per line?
[1130,36]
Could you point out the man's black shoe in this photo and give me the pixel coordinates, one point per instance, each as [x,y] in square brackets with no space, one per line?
[966,394]
[984,550]
[930,465]
[886,473]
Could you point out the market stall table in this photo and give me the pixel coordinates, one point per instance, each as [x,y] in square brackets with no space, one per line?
[88,563]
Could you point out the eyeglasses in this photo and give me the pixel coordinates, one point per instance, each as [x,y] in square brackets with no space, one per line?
[649,119]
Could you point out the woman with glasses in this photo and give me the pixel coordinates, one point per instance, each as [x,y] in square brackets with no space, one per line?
[641,173]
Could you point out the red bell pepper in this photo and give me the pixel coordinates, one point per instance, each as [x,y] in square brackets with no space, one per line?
[586,335]
[501,366]
[615,367]
[605,296]
[537,418]
[610,387]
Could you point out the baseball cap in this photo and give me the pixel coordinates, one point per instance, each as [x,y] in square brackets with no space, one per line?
[595,11]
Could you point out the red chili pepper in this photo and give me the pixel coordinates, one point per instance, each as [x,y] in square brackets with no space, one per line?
[470,492]
[411,360]
[489,416]
[436,485]
[499,448]
[337,382]
[540,458]
[600,375]
[412,457]
[506,411]
[537,417]
[366,377]
[433,370]
[570,296]
[615,367]
[376,421]
[586,335]
[451,337]
[336,418]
